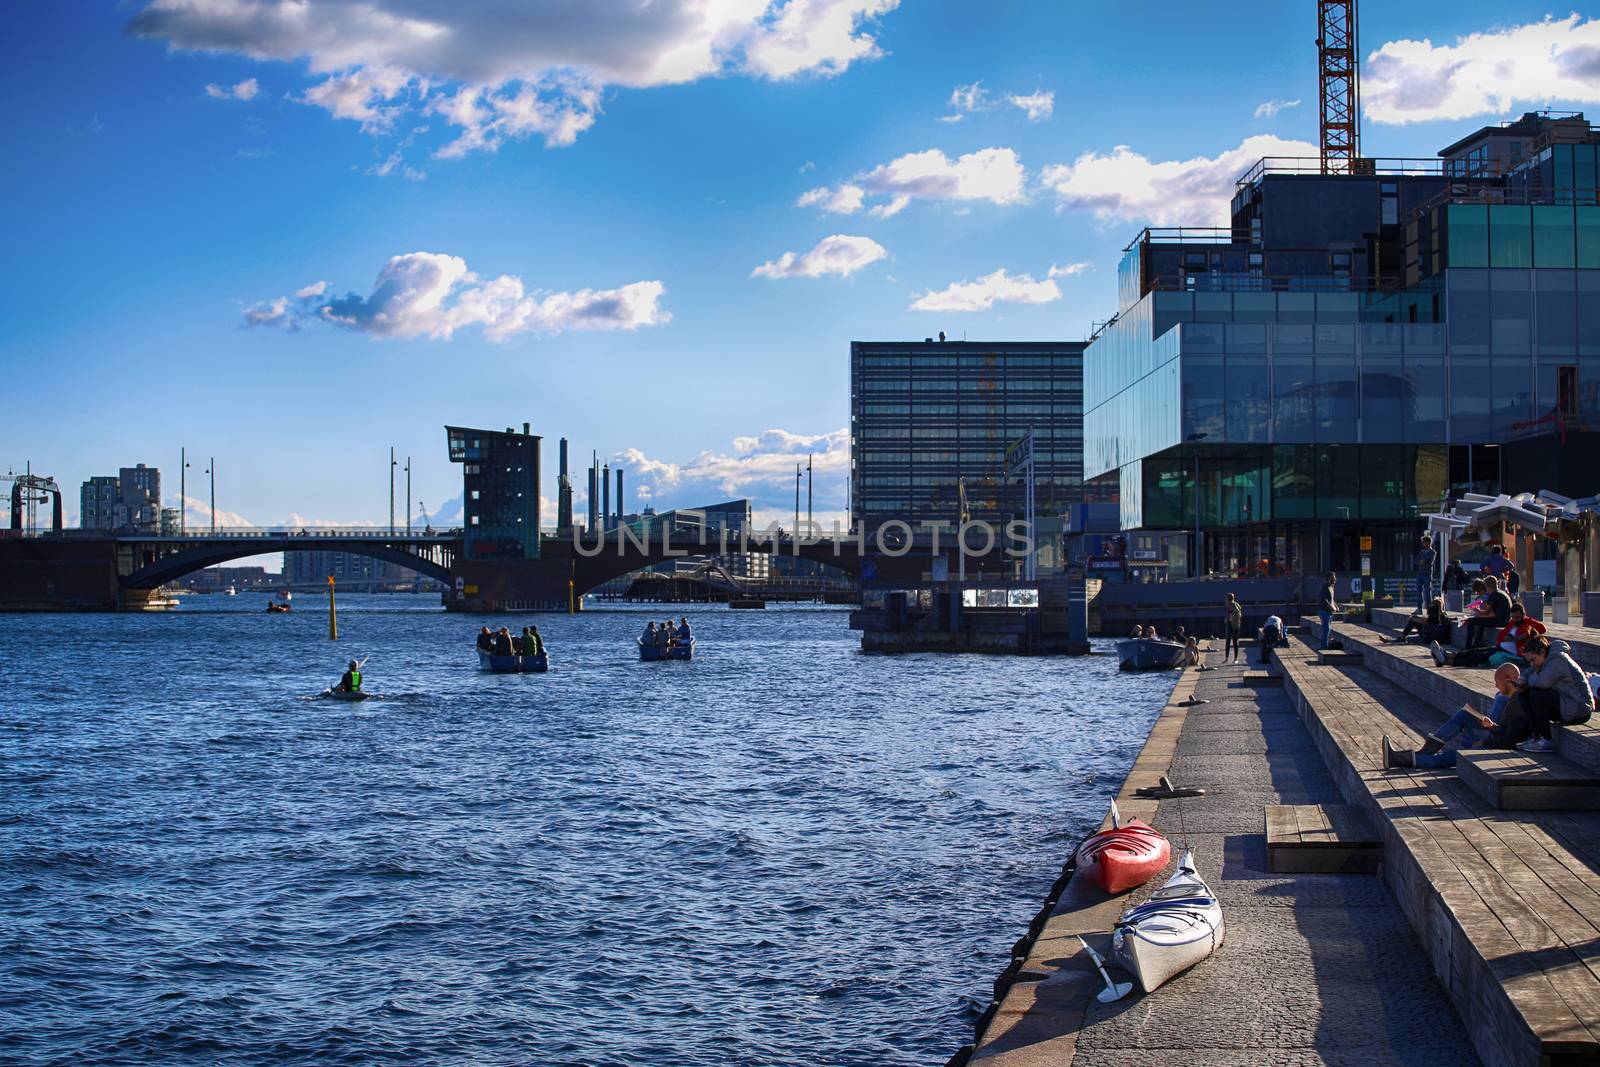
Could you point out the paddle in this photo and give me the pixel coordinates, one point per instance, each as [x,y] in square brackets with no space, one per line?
[1114,991]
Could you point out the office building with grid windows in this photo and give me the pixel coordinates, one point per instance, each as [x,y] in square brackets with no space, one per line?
[1354,349]
[499,491]
[930,418]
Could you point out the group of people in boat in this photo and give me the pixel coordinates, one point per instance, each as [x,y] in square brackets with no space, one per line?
[666,635]
[503,642]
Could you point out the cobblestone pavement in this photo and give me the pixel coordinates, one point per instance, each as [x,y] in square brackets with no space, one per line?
[1317,968]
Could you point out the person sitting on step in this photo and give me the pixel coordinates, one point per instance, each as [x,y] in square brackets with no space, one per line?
[1508,644]
[1430,623]
[1492,614]
[1270,636]
[1554,690]
[1469,727]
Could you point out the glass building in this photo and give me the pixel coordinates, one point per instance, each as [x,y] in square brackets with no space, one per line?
[1353,349]
[499,491]
[927,418]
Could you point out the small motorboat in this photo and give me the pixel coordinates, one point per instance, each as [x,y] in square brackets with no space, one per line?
[344,694]
[1144,654]
[1127,855]
[1180,925]
[653,653]
[514,664]
[277,609]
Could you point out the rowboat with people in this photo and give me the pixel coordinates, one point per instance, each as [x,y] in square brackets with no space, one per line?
[538,664]
[666,641]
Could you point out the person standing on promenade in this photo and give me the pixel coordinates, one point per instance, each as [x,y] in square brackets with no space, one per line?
[1497,564]
[1232,623]
[1471,726]
[1554,690]
[1426,557]
[1327,608]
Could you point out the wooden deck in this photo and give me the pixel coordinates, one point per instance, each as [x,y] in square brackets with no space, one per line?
[1507,903]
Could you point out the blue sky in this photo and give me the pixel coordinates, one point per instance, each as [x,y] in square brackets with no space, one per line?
[627,197]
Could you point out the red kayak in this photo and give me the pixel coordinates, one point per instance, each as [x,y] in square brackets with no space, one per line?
[1124,856]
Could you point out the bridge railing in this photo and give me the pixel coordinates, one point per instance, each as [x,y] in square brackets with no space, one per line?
[262,533]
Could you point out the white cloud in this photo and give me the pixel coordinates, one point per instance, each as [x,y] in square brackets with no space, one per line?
[197,515]
[540,67]
[1081,267]
[983,294]
[428,294]
[1039,106]
[396,164]
[362,96]
[843,200]
[837,254]
[760,467]
[951,118]
[1125,185]
[807,167]
[992,174]
[1484,73]
[1268,108]
[968,98]
[245,90]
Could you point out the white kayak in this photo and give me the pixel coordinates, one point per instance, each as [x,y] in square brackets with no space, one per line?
[1180,925]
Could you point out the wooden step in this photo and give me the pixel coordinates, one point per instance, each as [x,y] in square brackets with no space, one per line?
[1261,678]
[1321,839]
[1334,657]
[1521,781]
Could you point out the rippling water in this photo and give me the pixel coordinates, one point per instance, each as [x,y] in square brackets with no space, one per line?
[783,852]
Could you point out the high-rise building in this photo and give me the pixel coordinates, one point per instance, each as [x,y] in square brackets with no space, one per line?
[930,422]
[499,491]
[98,501]
[141,495]
[1303,385]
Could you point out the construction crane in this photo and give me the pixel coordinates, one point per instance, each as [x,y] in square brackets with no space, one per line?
[1338,85]
[26,491]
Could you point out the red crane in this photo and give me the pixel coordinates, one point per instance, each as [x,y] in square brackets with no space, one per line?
[1338,85]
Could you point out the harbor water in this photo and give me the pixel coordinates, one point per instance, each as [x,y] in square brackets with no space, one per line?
[782,852]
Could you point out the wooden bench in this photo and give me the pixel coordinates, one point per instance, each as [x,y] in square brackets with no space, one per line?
[1321,839]
[1521,782]
[1507,906]
[1448,688]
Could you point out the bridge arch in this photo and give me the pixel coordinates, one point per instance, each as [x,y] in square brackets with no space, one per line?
[198,556]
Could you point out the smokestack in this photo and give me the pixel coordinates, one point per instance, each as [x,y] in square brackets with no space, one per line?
[594,495]
[619,496]
[527,429]
[605,492]
[563,457]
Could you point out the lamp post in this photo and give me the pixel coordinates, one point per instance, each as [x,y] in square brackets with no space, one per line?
[392,465]
[1195,439]
[408,495]
[211,472]
[183,489]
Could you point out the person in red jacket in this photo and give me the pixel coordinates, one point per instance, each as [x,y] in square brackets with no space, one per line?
[1510,641]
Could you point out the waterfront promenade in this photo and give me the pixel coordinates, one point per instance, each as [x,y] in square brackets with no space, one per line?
[1317,968]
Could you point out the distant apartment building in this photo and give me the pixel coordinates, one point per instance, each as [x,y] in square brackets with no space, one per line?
[130,502]
[930,422]
[141,495]
[499,491]
[98,501]
[349,571]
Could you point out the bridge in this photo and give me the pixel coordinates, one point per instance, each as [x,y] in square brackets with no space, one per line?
[91,570]
[148,562]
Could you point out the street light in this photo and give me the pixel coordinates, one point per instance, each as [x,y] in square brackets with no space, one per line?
[211,472]
[1195,439]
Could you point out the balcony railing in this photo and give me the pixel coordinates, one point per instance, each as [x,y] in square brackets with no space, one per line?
[1188,235]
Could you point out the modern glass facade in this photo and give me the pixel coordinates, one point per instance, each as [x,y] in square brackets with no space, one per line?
[499,492]
[927,417]
[1423,322]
